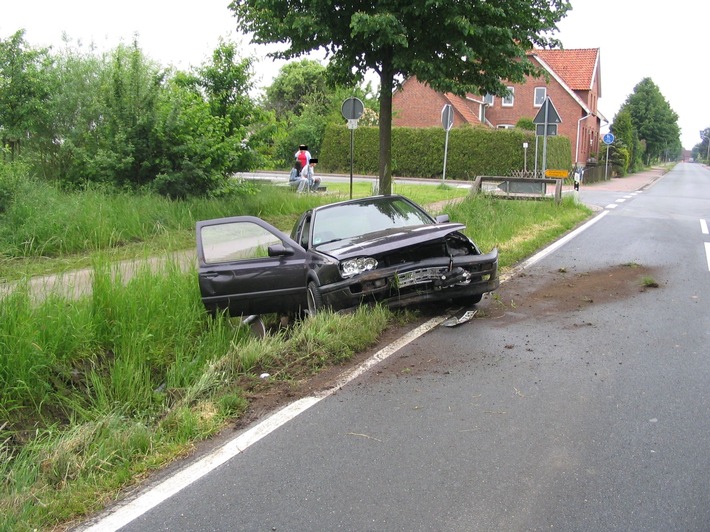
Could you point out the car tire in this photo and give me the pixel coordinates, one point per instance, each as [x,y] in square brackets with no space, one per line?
[468,301]
[315,300]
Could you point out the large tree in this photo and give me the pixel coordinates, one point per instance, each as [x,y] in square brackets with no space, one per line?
[654,120]
[463,46]
[627,150]
[304,104]
[24,89]
[702,149]
[297,85]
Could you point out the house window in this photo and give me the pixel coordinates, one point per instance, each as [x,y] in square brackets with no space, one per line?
[488,99]
[540,95]
[509,99]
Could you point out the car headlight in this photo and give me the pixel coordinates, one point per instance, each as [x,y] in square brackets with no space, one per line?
[351,267]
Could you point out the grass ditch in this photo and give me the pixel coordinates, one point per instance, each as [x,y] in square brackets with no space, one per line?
[98,392]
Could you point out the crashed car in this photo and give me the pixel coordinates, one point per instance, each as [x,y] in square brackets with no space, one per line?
[379,249]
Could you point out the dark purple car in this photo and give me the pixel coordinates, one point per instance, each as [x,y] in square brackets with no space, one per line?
[380,249]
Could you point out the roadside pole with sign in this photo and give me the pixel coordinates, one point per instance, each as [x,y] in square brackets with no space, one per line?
[608,140]
[545,121]
[352,110]
[447,120]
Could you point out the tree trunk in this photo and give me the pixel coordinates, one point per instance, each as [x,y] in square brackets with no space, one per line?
[386,84]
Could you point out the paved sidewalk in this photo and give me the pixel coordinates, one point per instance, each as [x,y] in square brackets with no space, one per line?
[627,183]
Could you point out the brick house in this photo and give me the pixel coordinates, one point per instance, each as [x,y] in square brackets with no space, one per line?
[573,86]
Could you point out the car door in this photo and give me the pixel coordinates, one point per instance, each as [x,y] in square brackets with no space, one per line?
[247,266]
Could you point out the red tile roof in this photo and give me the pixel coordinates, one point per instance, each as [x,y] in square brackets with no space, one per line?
[462,106]
[576,67]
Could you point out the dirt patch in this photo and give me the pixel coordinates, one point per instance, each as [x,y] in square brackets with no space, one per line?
[562,291]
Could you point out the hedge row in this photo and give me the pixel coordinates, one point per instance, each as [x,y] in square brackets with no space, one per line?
[419,152]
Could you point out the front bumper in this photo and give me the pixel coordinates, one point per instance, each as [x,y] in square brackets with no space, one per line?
[429,280]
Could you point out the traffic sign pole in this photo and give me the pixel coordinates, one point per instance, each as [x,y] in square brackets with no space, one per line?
[447,121]
[352,110]
[544,139]
[608,140]
[545,116]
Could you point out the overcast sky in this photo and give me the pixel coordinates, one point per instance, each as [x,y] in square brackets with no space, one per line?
[667,43]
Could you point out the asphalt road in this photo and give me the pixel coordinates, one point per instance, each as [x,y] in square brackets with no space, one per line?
[578,399]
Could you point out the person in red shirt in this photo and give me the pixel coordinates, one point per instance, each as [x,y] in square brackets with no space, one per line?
[303,155]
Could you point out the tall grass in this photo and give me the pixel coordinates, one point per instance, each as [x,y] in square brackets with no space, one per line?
[61,228]
[516,228]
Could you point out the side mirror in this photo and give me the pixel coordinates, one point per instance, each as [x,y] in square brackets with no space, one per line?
[279,250]
[442,219]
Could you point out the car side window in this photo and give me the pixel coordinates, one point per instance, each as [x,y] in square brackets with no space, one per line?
[236,241]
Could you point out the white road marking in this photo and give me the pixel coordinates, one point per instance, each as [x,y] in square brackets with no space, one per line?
[611,206]
[621,200]
[704,226]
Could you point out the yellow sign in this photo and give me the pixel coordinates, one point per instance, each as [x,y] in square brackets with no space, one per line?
[557,173]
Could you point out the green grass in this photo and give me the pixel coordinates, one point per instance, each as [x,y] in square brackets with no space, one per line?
[517,228]
[97,392]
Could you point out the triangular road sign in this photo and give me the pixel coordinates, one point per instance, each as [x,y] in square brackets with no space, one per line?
[548,108]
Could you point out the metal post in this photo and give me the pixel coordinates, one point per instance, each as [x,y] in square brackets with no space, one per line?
[544,139]
[352,149]
[536,153]
[446,150]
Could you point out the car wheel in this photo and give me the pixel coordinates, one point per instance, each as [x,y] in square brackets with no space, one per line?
[315,301]
[468,301]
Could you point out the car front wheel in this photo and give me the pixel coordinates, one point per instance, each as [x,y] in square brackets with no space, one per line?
[315,300]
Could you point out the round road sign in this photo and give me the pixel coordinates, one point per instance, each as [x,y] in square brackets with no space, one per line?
[608,138]
[352,108]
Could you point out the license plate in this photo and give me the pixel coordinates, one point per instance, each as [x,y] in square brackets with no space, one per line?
[420,276]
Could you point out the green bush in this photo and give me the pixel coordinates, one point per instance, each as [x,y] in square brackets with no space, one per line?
[419,152]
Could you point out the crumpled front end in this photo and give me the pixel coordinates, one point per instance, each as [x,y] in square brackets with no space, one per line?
[436,271]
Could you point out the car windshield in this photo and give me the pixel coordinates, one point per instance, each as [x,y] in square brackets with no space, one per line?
[378,214]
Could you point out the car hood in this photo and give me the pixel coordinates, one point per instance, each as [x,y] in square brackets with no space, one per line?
[381,242]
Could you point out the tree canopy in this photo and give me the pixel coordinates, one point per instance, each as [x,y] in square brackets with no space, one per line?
[654,121]
[702,149]
[459,47]
[304,104]
[24,90]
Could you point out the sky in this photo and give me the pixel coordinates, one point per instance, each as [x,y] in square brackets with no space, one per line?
[665,43]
